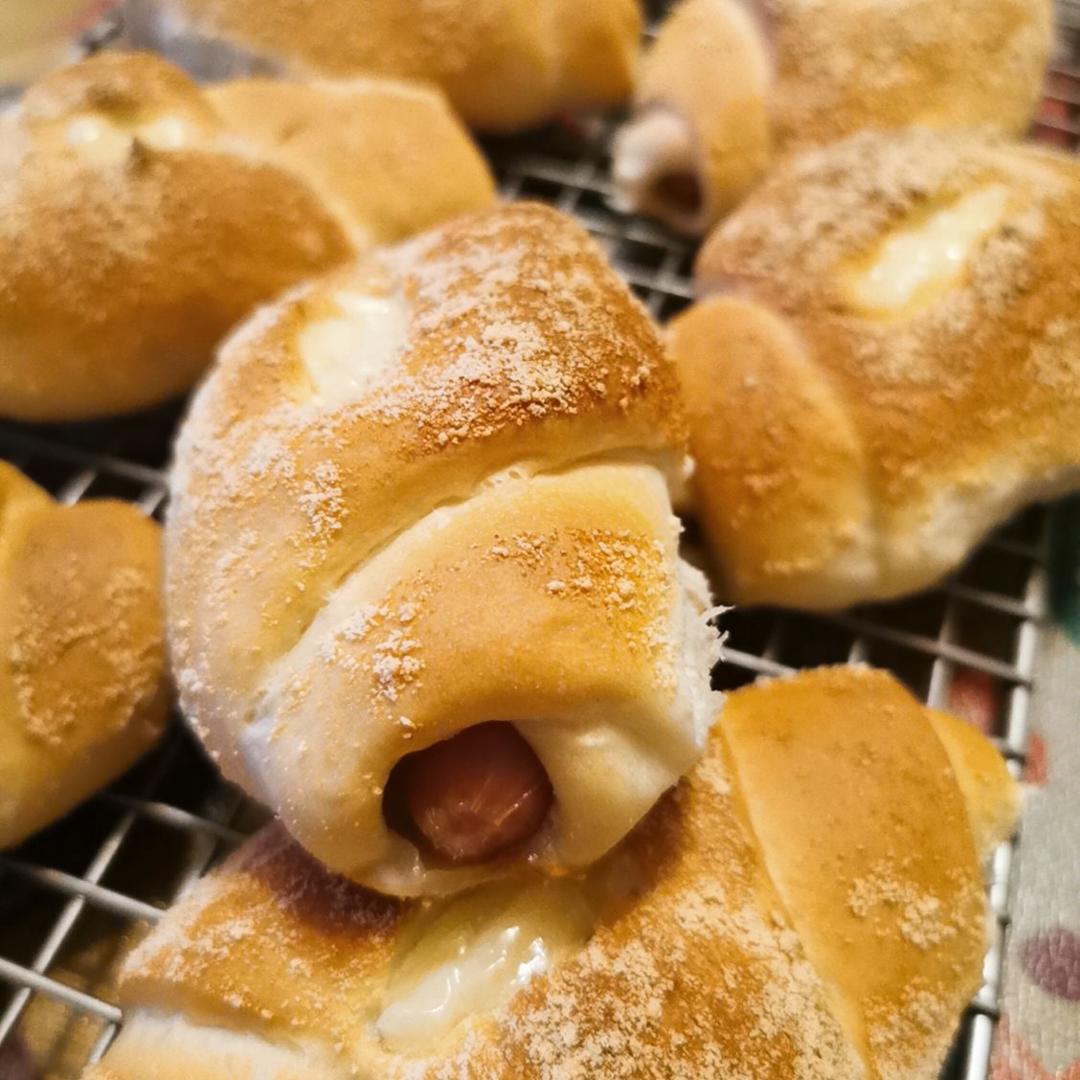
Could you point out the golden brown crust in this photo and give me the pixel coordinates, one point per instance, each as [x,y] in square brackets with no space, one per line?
[128,86]
[569,368]
[503,65]
[848,65]
[754,81]
[770,467]
[598,60]
[703,969]
[122,272]
[874,449]
[406,655]
[866,835]
[82,686]
[642,1000]
[394,156]
[710,68]
[342,554]
[141,217]
[983,777]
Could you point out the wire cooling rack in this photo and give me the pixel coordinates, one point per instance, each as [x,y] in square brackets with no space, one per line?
[73,898]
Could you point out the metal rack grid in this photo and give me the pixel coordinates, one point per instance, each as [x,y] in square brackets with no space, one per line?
[71,898]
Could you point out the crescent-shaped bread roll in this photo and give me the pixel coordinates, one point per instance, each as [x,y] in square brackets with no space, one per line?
[141,217]
[390,156]
[132,238]
[504,65]
[884,364]
[808,903]
[427,495]
[82,685]
[730,85]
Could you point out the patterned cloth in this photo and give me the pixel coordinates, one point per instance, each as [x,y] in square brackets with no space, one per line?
[1039,1036]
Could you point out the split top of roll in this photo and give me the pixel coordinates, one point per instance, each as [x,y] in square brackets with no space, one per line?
[884,363]
[728,86]
[807,903]
[422,496]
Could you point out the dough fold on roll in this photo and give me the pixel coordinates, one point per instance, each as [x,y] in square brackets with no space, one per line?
[390,157]
[883,365]
[730,85]
[139,223]
[429,493]
[504,65]
[83,691]
[807,903]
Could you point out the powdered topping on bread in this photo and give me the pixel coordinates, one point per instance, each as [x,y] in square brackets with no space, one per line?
[502,65]
[699,947]
[729,88]
[950,404]
[483,412]
[193,205]
[82,682]
[843,67]
[685,975]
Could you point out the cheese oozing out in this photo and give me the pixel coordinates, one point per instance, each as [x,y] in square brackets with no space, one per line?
[916,264]
[470,954]
[345,352]
[104,140]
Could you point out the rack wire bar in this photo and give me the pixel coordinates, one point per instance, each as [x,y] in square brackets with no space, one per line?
[116,863]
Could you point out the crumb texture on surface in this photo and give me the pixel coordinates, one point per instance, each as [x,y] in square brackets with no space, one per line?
[476,426]
[847,454]
[738,934]
[83,691]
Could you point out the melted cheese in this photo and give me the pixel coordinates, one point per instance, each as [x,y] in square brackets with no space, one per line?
[96,138]
[472,953]
[917,264]
[167,132]
[103,140]
[346,352]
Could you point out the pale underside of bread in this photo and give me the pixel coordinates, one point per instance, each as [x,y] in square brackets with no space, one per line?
[845,455]
[462,517]
[749,82]
[503,65]
[82,686]
[808,904]
[167,1047]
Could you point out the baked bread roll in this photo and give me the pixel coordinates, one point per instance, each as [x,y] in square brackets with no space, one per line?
[390,157]
[140,217]
[807,903]
[884,364]
[728,86]
[82,685]
[504,65]
[428,497]
[132,237]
